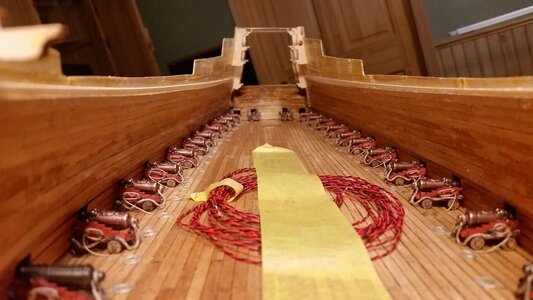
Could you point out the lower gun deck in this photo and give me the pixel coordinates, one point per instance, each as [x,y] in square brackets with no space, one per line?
[177,264]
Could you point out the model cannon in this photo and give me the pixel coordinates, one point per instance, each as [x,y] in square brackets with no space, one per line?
[236,117]
[476,228]
[208,135]
[304,116]
[199,145]
[286,114]
[144,195]
[428,191]
[185,158]
[379,156]
[311,119]
[254,115]
[227,125]
[324,124]
[362,145]
[315,123]
[166,173]
[57,282]
[346,139]
[524,291]
[403,172]
[214,128]
[232,119]
[334,131]
[111,230]
[209,141]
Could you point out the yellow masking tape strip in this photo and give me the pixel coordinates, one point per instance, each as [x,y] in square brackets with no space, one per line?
[309,249]
[202,196]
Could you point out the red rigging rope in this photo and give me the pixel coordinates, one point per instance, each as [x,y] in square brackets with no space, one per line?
[237,233]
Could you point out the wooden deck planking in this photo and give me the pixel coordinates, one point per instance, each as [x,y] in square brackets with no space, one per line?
[176,264]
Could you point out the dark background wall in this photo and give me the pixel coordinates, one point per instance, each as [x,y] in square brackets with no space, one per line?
[180,28]
[447,15]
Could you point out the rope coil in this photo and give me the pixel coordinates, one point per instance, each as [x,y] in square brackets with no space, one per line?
[237,233]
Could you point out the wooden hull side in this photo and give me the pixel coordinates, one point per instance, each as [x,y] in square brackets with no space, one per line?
[60,154]
[484,137]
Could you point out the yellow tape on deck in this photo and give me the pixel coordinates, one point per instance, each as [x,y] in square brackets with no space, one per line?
[203,196]
[309,249]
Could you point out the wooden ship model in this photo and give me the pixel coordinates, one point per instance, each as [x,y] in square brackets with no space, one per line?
[441,167]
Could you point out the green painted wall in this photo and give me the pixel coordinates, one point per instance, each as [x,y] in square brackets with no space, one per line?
[447,15]
[179,28]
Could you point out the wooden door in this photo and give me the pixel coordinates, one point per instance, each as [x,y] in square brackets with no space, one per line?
[381,32]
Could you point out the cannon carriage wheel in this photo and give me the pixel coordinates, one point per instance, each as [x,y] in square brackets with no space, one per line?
[477,243]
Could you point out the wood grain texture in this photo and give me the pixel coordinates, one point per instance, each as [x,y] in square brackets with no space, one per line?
[86,43]
[19,13]
[270,52]
[382,33]
[468,133]
[269,99]
[423,30]
[178,264]
[58,154]
[500,50]
[126,38]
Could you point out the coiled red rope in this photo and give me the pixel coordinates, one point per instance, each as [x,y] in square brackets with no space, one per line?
[237,233]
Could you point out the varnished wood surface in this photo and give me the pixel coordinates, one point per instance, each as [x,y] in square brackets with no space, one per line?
[59,154]
[269,99]
[380,32]
[270,52]
[176,264]
[481,136]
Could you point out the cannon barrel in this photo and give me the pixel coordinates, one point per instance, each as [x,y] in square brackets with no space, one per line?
[166,166]
[361,140]
[116,219]
[145,185]
[472,217]
[378,151]
[76,277]
[430,184]
[216,128]
[198,142]
[335,127]
[184,152]
[348,134]
[397,166]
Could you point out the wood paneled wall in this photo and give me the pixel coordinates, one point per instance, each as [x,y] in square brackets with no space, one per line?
[502,50]
[485,137]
